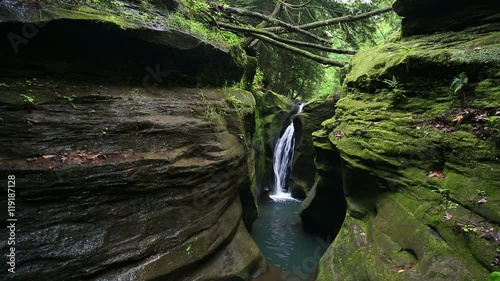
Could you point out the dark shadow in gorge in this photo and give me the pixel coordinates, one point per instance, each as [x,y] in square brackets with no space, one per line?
[324,210]
[104,53]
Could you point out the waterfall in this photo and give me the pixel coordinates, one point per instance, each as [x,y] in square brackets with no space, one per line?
[282,160]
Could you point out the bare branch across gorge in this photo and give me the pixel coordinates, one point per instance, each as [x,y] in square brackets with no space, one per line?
[298,51]
[349,18]
[282,24]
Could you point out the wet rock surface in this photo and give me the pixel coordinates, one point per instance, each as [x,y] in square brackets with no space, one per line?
[304,171]
[426,17]
[120,182]
[419,174]
[108,43]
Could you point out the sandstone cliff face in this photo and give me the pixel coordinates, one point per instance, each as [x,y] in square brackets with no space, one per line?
[118,180]
[416,135]
[273,110]
[304,170]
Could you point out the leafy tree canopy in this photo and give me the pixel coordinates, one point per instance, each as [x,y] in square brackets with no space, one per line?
[300,44]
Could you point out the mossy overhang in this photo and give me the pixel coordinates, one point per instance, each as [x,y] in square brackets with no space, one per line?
[30,22]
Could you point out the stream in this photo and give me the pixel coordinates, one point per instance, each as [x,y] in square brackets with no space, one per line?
[281,239]
[278,230]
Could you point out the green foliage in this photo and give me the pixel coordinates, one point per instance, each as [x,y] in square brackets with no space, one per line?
[188,249]
[459,82]
[458,85]
[493,127]
[182,21]
[289,74]
[298,77]
[70,99]
[258,79]
[29,100]
[494,276]
[212,112]
[397,94]
[247,80]
[195,7]
[238,105]
[329,85]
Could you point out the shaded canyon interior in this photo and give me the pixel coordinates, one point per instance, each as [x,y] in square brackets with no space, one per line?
[135,161]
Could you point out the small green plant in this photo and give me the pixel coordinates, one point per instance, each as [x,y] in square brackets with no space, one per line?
[188,249]
[91,112]
[397,94]
[494,276]
[466,228]
[238,105]
[492,127]
[481,192]
[104,131]
[448,204]
[458,85]
[70,100]
[212,113]
[28,99]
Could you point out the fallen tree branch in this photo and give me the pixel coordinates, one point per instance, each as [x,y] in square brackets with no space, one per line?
[251,42]
[251,31]
[292,6]
[282,24]
[258,34]
[322,23]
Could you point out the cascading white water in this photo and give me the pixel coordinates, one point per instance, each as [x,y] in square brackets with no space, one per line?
[282,160]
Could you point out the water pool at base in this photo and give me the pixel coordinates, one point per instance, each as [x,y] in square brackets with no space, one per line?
[278,232]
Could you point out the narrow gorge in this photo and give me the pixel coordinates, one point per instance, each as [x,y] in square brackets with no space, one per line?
[192,140]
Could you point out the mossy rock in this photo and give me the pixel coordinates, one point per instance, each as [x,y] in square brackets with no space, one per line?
[420,178]
[309,121]
[273,110]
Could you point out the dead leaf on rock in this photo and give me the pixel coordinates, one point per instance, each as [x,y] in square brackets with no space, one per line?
[403,268]
[482,200]
[436,174]
[448,216]
[458,119]
[63,157]
[338,135]
[48,156]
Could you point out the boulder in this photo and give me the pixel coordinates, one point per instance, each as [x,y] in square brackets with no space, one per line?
[417,134]
[273,112]
[122,172]
[304,170]
[426,16]
[117,182]
[126,43]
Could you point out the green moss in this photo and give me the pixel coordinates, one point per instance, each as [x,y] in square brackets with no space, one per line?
[389,150]
[87,13]
[249,74]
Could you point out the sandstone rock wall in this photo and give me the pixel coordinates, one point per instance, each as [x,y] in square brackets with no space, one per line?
[121,174]
[419,155]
